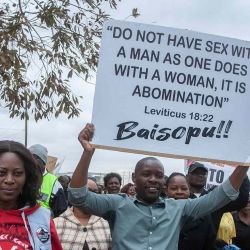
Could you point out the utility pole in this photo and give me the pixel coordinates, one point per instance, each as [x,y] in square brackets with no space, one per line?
[26,121]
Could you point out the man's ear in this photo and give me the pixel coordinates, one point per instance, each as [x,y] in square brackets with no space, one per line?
[133,177]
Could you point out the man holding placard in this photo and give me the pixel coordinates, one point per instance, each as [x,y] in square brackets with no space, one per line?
[145,221]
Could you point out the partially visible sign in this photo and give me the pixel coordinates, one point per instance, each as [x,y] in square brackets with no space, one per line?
[172,92]
[51,164]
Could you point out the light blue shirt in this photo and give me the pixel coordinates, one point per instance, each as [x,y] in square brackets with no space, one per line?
[137,226]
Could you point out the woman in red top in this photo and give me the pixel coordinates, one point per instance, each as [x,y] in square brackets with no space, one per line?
[23,223]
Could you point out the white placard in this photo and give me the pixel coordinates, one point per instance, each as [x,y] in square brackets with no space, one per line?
[173,92]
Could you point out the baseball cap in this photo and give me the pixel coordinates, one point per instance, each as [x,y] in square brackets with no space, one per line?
[196,165]
[40,151]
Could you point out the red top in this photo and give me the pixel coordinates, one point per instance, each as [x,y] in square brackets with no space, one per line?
[13,234]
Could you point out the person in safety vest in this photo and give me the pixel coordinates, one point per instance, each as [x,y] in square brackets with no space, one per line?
[51,191]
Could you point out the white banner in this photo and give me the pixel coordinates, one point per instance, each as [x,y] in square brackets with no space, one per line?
[172,92]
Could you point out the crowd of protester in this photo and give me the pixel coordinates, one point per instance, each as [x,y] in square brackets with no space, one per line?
[39,210]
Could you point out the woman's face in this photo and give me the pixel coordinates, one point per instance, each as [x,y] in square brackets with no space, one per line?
[131,191]
[113,186]
[12,180]
[178,188]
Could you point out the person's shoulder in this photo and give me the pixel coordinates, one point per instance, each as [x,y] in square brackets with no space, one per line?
[57,186]
[235,215]
[44,210]
[28,210]
[51,175]
[171,200]
[104,224]
[175,203]
[67,213]
[117,196]
[58,220]
[94,218]
[124,195]
[38,213]
[65,218]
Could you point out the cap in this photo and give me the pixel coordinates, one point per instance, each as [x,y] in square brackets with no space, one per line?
[196,165]
[40,151]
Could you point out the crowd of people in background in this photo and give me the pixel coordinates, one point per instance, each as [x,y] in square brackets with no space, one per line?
[39,210]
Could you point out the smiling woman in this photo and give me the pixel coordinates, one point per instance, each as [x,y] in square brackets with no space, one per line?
[177,186]
[112,183]
[20,178]
[24,224]
[12,180]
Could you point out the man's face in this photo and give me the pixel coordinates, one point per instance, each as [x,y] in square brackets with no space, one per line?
[149,180]
[197,178]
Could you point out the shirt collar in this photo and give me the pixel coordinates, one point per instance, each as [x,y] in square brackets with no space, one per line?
[159,203]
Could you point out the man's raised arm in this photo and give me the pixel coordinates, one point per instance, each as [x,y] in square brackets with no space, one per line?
[80,175]
[238,176]
[217,198]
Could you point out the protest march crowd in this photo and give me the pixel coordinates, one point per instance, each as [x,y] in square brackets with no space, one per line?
[39,210]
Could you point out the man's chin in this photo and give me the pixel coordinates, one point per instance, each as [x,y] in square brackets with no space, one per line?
[152,198]
[114,192]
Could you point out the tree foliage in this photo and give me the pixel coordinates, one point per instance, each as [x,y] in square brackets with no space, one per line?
[43,43]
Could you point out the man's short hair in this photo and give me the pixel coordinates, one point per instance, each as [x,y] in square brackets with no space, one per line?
[143,160]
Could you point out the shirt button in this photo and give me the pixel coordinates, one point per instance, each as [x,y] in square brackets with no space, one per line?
[154,218]
[150,232]
[150,248]
[84,229]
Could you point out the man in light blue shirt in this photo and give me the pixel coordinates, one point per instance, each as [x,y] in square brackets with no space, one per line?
[146,221]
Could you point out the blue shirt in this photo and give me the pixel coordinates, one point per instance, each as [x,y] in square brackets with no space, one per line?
[136,226]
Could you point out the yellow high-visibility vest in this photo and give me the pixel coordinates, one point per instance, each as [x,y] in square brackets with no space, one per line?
[46,189]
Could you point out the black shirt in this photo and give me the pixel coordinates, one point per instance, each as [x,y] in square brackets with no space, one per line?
[242,239]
